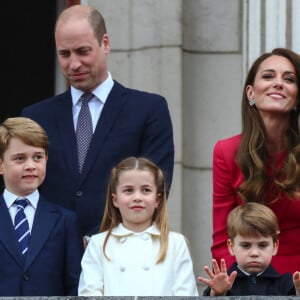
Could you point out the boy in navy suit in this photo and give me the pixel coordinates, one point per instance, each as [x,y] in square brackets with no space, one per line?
[40,245]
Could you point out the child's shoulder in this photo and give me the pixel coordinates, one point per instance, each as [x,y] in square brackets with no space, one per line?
[98,237]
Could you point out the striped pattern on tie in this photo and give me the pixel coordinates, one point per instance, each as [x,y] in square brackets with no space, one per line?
[21,225]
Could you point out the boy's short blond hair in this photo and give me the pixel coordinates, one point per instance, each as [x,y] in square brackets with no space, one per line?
[252,219]
[25,129]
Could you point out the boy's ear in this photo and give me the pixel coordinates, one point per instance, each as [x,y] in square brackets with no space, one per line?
[230,247]
[276,245]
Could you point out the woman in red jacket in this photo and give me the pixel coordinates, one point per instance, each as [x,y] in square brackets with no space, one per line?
[262,164]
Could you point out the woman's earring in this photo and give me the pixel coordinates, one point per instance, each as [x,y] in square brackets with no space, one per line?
[252,102]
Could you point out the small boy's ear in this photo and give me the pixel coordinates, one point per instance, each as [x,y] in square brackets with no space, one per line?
[276,245]
[230,247]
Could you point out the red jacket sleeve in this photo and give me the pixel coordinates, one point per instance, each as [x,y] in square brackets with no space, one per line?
[226,178]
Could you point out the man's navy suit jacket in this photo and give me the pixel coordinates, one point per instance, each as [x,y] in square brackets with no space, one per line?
[52,263]
[132,123]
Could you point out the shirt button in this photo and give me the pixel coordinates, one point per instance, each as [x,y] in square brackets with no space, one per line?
[146,268]
[79,193]
[123,239]
[253,279]
[26,276]
[145,236]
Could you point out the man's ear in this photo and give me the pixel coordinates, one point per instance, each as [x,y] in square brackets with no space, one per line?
[230,247]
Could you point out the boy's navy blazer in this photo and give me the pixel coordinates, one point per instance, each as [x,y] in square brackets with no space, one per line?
[132,123]
[52,263]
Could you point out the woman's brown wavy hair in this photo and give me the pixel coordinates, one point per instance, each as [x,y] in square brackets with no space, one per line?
[252,154]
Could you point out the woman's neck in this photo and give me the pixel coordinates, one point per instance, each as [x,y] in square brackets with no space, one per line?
[276,133]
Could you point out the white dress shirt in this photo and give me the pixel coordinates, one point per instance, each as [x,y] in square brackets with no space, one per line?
[132,269]
[95,104]
[29,210]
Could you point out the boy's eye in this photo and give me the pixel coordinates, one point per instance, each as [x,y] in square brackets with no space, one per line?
[38,157]
[245,246]
[19,158]
[263,245]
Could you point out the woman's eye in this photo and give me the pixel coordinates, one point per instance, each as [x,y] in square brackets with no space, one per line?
[267,76]
[290,79]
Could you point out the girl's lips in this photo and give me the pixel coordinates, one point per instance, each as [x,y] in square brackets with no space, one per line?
[137,207]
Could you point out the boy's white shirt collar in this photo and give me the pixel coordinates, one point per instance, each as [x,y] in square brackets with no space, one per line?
[10,198]
[248,274]
[120,231]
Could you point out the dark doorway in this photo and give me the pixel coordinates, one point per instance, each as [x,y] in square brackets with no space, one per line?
[28,54]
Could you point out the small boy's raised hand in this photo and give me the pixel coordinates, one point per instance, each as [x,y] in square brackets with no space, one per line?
[296,280]
[219,281]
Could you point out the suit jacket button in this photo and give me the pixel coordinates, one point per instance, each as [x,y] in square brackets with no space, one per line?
[26,276]
[79,193]
[122,269]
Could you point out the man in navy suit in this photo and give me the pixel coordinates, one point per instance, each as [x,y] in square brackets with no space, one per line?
[125,122]
[40,252]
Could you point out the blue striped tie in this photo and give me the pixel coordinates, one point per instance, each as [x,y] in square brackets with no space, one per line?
[21,225]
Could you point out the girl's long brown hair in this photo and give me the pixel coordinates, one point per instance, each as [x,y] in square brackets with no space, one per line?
[112,216]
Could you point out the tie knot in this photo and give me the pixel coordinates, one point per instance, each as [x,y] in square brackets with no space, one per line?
[21,203]
[86,97]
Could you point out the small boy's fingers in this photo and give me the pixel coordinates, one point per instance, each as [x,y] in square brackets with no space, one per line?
[209,272]
[223,266]
[203,280]
[215,266]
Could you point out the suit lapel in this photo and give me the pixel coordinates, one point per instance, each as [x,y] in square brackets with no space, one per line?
[7,233]
[44,220]
[66,132]
[109,114]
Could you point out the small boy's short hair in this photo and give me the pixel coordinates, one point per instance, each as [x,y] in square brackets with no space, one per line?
[25,129]
[252,219]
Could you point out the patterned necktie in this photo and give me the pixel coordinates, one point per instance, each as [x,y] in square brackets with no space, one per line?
[84,130]
[21,225]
